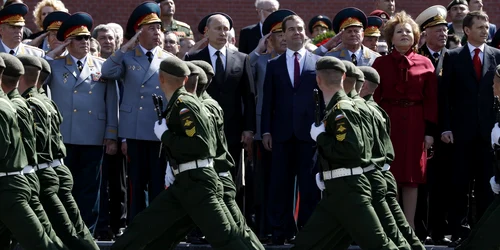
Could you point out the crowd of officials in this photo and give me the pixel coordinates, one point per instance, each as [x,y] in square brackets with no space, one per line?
[394,151]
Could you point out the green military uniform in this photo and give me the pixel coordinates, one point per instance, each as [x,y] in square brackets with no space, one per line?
[15,191]
[223,162]
[384,131]
[181,29]
[346,207]
[190,139]
[57,183]
[375,161]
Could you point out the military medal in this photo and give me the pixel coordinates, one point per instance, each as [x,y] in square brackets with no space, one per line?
[96,76]
[65,76]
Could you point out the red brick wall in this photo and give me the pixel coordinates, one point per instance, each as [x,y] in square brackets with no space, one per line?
[243,11]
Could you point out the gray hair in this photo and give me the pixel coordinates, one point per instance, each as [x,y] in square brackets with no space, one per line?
[118,32]
[102,28]
[259,2]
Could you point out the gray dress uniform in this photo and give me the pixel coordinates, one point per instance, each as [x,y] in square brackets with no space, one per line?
[87,102]
[140,81]
[24,49]
[367,58]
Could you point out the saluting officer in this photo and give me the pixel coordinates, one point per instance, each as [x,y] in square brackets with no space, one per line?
[190,139]
[11,31]
[88,103]
[318,25]
[138,69]
[15,192]
[346,207]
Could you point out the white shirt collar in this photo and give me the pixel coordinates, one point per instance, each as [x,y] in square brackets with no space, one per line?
[358,52]
[212,50]
[472,47]
[144,51]
[432,51]
[83,60]
[7,49]
[290,53]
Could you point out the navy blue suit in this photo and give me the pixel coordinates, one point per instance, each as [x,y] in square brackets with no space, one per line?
[287,113]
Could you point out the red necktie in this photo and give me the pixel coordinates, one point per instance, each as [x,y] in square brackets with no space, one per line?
[477,63]
[296,70]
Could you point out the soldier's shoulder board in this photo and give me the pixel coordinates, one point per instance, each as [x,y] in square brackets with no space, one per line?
[183,24]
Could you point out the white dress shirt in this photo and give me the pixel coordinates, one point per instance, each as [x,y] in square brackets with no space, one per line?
[7,49]
[358,53]
[290,61]
[213,56]
[472,48]
[432,51]
[144,51]
[83,60]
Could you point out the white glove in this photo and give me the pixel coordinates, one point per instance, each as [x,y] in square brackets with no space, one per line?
[495,187]
[315,131]
[320,183]
[160,128]
[169,176]
[495,135]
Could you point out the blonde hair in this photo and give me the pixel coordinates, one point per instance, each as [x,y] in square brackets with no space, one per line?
[401,18]
[37,13]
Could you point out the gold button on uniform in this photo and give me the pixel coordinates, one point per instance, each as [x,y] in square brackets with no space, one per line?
[142,86]
[140,108]
[90,92]
[142,97]
[74,110]
[75,91]
[157,87]
[90,112]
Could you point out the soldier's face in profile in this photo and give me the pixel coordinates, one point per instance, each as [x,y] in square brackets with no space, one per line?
[278,42]
[352,36]
[150,36]
[371,42]
[295,34]
[217,31]
[10,33]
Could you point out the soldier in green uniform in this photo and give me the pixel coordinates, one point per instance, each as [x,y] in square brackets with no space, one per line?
[181,29]
[49,180]
[372,80]
[190,140]
[375,156]
[346,207]
[15,192]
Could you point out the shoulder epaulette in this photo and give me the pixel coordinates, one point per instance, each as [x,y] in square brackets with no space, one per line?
[59,57]
[183,24]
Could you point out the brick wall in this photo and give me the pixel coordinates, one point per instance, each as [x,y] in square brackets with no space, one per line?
[243,11]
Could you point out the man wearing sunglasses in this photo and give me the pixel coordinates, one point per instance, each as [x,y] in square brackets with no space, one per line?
[11,31]
[88,104]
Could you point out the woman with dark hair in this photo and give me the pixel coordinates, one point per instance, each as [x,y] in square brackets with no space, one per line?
[408,93]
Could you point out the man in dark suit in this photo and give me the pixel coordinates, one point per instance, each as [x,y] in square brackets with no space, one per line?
[287,113]
[232,85]
[433,21]
[250,35]
[467,118]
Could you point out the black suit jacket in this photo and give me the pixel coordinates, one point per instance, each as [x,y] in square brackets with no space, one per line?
[467,108]
[236,95]
[249,38]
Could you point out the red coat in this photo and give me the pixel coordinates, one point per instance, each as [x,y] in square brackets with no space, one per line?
[408,93]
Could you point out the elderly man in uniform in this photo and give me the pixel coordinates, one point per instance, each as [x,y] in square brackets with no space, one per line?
[351,22]
[189,137]
[88,104]
[432,196]
[273,39]
[341,146]
[137,67]
[51,24]
[180,29]
[11,31]
[372,32]
[318,25]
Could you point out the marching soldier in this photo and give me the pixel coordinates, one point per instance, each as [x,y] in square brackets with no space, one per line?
[372,32]
[138,69]
[15,192]
[189,138]
[341,148]
[318,25]
[89,103]
[11,31]
[372,79]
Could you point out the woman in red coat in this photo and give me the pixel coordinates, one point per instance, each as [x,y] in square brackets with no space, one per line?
[408,93]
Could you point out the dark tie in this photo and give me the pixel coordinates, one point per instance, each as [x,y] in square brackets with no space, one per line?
[296,70]
[436,56]
[354,60]
[12,52]
[477,63]
[79,65]
[150,56]
[219,68]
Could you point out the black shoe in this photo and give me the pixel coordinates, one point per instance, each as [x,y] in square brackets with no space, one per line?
[278,241]
[442,242]
[119,232]
[197,240]
[429,241]
[290,240]
[456,243]
[104,235]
